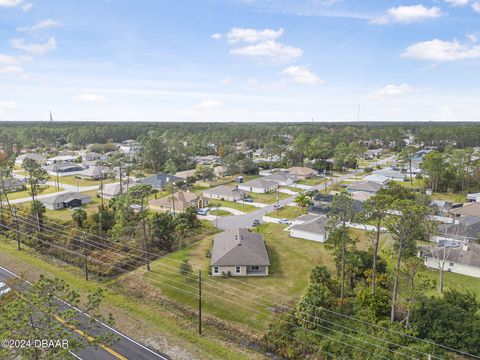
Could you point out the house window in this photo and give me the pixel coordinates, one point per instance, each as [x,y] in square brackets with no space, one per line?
[255,268]
[451,264]
[215,269]
[237,269]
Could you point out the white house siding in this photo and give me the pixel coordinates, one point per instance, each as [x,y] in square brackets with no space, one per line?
[456,268]
[244,271]
[258,190]
[301,234]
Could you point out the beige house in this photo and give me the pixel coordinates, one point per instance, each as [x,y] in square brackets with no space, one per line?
[224,192]
[181,199]
[302,172]
[239,252]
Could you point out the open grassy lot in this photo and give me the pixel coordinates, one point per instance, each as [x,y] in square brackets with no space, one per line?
[148,322]
[245,207]
[312,181]
[452,197]
[268,198]
[220,213]
[287,212]
[72,180]
[291,262]
[25,194]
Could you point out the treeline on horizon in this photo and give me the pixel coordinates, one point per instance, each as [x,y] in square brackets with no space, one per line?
[41,134]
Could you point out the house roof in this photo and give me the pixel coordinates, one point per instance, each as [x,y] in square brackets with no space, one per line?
[314,226]
[459,255]
[65,197]
[392,174]
[306,217]
[33,156]
[467,227]
[302,171]
[369,186]
[321,197]
[471,209]
[361,195]
[62,166]
[239,247]
[160,179]
[378,178]
[279,176]
[224,190]
[114,189]
[183,199]
[260,183]
[94,171]
[185,174]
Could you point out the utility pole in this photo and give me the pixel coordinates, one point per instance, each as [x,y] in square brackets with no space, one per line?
[199,302]
[85,262]
[15,220]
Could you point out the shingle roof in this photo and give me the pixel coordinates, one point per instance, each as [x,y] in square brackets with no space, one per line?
[239,247]
[301,170]
[315,225]
[260,183]
[65,197]
[467,227]
[365,186]
[160,179]
[471,209]
[224,190]
[279,176]
[470,257]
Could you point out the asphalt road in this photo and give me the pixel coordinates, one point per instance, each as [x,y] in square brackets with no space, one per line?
[245,221]
[124,348]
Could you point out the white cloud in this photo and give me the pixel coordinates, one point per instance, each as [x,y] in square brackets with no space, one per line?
[44,24]
[270,50]
[7,59]
[27,7]
[216,36]
[10,3]
[7,105]
[439,50]
[408,14]
[252,35]
[476,7]
[34,48]
[472,38]
[301,75]
[390,90]
[89,98]
[457,2]
[227,80]
[11,69]
[208,104]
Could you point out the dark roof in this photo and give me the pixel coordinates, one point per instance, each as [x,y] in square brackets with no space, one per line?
[315,225]
[323,197]
[160,179]
[370,186]
[65,197]
[459,255]
[467,227]
[239,247]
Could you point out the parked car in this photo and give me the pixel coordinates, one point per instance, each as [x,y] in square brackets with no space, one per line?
[256,222]
[203,211]
[284,221]
[4,289]
[277,206]
[248,199]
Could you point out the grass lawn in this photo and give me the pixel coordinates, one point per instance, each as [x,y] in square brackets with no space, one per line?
[90,208]
[220,213]
[268,198]
[417,183]
[291,188]
[312,181]
[147,321]
[287,212]
[452,197]
[72,180]
[291,261]
[25,194]
[245,207]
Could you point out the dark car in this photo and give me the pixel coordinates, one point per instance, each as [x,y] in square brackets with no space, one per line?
[256,222]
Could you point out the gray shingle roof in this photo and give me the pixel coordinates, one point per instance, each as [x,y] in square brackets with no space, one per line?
[315,225]
[365,186]
[65,197]
[239,247]
[160,179]
[458,255]
[224,190]
[260,183]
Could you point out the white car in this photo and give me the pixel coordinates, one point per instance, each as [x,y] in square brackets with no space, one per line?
[4,289]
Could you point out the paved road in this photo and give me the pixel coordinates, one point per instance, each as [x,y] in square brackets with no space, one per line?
[245,221]
[125,348]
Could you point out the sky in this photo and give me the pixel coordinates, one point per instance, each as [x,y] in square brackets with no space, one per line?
[240,60]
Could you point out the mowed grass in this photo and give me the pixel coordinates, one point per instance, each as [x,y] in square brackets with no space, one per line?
[90,208]
[220,213]
[245,207]
[312,181]
[25,194]
[268,198]
[132,315]
[74,181]
[239,300]
[287,212]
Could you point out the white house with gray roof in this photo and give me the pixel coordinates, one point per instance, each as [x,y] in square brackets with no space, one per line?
[224,192]
[239,252]
[66,200]
[283,178]
[259,186]
[313,229]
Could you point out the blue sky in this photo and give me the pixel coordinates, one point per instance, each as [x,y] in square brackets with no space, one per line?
[240,60]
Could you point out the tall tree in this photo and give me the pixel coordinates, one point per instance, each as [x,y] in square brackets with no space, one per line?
[405,156]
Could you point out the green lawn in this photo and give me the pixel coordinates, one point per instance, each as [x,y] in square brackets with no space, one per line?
[291,261]
[220,213]
[452,197]
[291,188]
[287,212]
[72,180]
[417,183]
[312,181]
[267,198]
[136,317]
[25,194]
[245,207]
[90,208]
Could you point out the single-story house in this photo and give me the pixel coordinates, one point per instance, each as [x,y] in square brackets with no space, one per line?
[302,172]
[207,159]
[63,168]
[160,180]
[282,178]
[181,199]
[313,229]
[470,209]
[304,218]
[185,174]
[366,186]
[371,154]
[61,159]
[66,200]
[378,178]
[419,155]
[37,157]
[91,156]
[239,252]
[259,186]
[224,192]
[390,174]
[12,185]
[95,173]
[464,228]
[361,195]
[474,197]
[441,207]
[322,198]
[112,190]
[464,259]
